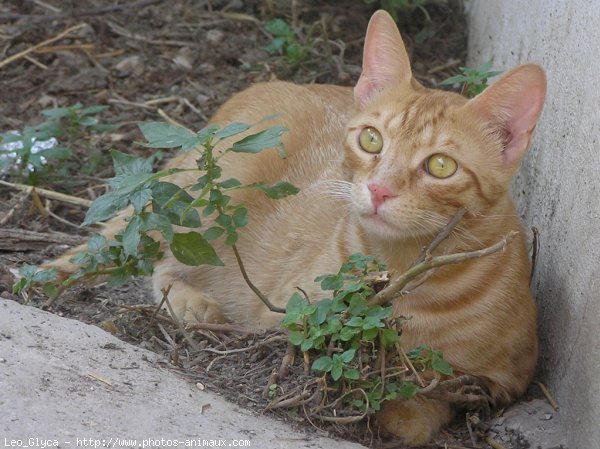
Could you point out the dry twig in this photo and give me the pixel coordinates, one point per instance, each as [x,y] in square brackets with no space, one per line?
[25,52]
[49,194]
[395,289]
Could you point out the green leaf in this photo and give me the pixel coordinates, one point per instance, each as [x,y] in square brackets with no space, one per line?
[379,313]
[240,217]
[276,191]
[351,374]
[336,372]
[105,207]
[278,27]
[172,201]
[151,221]
[348,356]
[140,198]
[255,143]
[357,305]
[57,153]
[231,130]
[126,164]
[192,249]
[348,333]
[46,275]
[330,281]
[333,326]
[294,310]
[296,338]
[131,237]
[213,233]
[370,334]
[407,390]
[373,323]
[118,277]
[223,220]
[355,321]
[324,364]
[165,135]
[96,243]
[90,110]
[28,271]
[307,344]
[230,183]
[50,290]
[275,45]
[389,337]
[323,308]
[439,364]
[231,238]
[20,285]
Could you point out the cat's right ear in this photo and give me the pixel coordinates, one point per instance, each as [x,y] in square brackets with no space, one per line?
[512,107]
[385,61]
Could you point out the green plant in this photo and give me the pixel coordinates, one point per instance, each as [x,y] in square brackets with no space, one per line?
[474,81]
[37,152]
[405,8]
[347,338]
[286,42]
[273,390]
[157,205]
[31,276]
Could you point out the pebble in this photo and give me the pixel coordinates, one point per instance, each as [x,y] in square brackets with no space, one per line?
[215,36]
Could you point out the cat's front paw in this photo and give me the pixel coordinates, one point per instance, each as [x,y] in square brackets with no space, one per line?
[194,307]
[415,421]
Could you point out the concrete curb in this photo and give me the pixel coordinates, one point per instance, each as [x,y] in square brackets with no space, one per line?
[68,384]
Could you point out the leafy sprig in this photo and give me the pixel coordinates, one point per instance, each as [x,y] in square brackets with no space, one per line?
[474,81]
[37,152]
[345,336]
[159,206]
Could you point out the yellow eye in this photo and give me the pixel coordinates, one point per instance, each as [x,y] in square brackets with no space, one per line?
[370,140]
[440,166]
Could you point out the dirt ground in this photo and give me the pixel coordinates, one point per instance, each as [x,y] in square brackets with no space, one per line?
[182,59]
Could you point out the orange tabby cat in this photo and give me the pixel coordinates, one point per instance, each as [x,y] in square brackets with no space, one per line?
[381,170]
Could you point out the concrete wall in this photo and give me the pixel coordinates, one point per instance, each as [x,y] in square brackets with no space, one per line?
[558,187]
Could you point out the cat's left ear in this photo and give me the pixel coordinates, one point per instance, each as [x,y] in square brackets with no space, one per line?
[385,61]
[512,106]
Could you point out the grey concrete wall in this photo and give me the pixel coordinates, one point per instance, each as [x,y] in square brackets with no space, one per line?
[558,186]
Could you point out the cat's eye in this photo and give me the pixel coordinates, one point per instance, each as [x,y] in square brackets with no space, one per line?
[440,166]
[370,140]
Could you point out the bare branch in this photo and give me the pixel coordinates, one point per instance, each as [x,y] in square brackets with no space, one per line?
[395,289]
[442,235]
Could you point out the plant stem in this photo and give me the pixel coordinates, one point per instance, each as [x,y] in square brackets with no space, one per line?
[442,235]
[253,287]
[394,290]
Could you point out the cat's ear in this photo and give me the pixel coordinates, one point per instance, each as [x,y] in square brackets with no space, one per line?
[385,62]
[512,106]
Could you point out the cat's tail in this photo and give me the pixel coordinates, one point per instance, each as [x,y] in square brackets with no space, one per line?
[63,265]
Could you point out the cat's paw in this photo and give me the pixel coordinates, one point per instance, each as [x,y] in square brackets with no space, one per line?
[194,307]
[415,421]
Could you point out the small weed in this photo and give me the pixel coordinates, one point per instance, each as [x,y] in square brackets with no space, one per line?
[400,8]
[273,391]
[159,205]
[346,336]
[474,81]
[38,152]
[286,42]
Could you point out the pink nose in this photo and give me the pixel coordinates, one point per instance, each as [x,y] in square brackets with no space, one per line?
[379,194]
